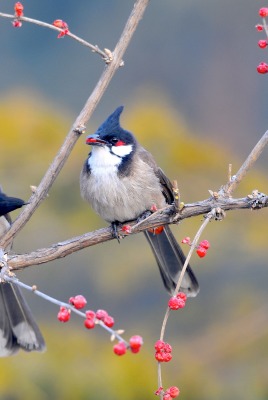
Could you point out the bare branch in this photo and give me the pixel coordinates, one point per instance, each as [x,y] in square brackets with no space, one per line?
[161,217]
[252,158]
[82,119]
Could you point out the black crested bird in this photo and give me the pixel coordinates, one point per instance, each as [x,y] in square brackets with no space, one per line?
[121,181]
[18,329]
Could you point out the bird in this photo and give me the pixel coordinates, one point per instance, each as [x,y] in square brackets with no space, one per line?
[18,329]
[121,181]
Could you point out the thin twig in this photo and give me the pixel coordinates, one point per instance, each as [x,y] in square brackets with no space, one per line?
[249,162]
[167,313]
[94,49]
[16,281]
[82,119]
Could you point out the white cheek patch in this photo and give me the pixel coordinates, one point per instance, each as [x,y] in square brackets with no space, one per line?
[101,158]
[122,151]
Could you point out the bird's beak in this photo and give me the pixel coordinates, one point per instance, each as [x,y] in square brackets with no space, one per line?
[95,140]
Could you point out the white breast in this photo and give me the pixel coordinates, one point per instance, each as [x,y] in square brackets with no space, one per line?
[117,198]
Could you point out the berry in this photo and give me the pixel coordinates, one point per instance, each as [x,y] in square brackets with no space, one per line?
[167,348]
[173,392]
[59,23]
[108,321]
[90,314]
[154,208]
[262,68]
[182,296]
[159,391]
[262,44]
[135,343]
[205,244]
[159,356]
[186,240]
[126,229]
[18,7]
[159,345]
[64,314]
[259,27]
[89,323]
[120,348]
[101,314]
[175,303]
[16,23]
[167,397]
[157,230]
[78,301]
[263,12]
[201,252]
[167,357]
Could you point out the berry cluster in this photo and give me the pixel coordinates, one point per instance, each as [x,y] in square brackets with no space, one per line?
[178,301]
[169,394]
[102,318]
[162,351]
[135,343]
[62,25]
[18,8]
[201,249]
[262,68]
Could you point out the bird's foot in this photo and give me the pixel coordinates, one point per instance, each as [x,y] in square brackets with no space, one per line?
[114,227]
[144,215]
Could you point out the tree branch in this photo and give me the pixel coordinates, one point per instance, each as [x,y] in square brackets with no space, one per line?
[78,126]
[161,217]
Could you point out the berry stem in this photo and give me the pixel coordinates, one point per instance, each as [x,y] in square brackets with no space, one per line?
[16,281]
[208,218]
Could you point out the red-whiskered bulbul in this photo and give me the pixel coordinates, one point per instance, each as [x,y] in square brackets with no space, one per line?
[18,329]
[121,181]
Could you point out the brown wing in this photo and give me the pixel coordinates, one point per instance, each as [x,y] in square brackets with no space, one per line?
[165,182]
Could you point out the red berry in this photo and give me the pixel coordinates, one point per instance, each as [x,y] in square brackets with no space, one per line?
[159,391]
[18,7]
[186,240]
[126,229]
[16,23]
[167,397]
[120,348]
[201,252]
[262,44]
[135,343]
[167,357]
[157,230]
[159,356]
[167,348]
[205,244]
[182,296]
[64,314]
[175,303]
[108,321]
[262,68]
[259,27]
[159,345]
[78,301]
[90,314]
[263,12]
[101,314]
[59,23]
[173,391]
[89,323]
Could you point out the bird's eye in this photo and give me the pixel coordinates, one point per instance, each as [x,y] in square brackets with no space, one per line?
[117,142]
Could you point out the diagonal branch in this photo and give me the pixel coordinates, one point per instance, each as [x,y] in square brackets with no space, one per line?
[78,126]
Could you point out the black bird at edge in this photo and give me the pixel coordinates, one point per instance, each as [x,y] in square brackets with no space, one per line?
[18,329]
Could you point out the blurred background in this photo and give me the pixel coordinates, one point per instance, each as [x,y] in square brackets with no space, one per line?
[194,99]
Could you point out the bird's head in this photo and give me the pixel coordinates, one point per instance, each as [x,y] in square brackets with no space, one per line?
[110,134]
